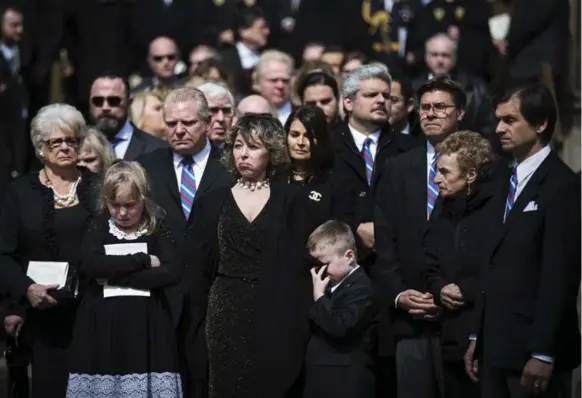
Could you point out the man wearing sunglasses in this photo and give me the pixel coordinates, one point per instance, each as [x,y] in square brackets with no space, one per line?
[108,111]
[163,57]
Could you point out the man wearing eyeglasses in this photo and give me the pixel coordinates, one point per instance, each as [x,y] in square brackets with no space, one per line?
[405,197]
[163,56]
[221,107]
[108,111]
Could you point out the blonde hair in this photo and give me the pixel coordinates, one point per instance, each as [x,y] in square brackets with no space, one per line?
[259,128]
[138,104]
[333,233]
[473,151]
[95,140]
[272,56]
[132,174]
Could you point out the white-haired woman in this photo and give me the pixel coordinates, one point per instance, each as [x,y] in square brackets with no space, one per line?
[43,220]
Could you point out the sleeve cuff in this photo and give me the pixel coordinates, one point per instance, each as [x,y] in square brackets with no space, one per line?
[396,299]
[543,358]
[473,337]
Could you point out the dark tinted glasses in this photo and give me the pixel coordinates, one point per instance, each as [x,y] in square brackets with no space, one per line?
[54,143]
[98,101]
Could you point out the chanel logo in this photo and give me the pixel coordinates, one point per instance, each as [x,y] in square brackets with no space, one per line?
[315,196]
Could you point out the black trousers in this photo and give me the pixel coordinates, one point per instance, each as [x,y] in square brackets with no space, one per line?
[497,383]
[456,381]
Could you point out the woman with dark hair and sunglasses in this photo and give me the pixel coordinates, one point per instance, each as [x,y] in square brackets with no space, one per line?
[312,157]
[322,90]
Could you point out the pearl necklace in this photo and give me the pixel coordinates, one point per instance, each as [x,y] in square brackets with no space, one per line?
[252,186]
[69,198]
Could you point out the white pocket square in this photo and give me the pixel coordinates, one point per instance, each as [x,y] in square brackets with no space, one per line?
[531,206]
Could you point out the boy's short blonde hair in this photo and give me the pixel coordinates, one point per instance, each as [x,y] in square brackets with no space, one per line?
[333,233]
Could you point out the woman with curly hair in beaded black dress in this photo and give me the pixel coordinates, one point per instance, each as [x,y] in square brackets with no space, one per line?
[123,343]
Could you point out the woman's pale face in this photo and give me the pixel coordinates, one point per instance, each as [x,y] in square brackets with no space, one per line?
[89,158]
[450,179]
[251,158]
[152,120]
[60,149]
[125,210]
[298,141]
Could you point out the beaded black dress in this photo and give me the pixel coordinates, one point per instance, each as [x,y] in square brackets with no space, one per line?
[232,302]
[124,346]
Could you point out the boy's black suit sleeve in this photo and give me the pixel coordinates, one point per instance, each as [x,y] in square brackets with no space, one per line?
[346,312]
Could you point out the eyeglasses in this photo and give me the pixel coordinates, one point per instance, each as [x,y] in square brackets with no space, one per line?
[440,109]
[226,110]
[99,100]
[160,58]
[54,143]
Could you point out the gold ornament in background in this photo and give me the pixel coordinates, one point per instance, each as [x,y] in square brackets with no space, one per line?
[439,14]
[218,3]
[459,12]
[250,3]
[379,23]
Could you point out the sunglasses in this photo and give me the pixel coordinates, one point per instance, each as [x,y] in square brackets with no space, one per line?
[160,58]
[55,143]
[98,101]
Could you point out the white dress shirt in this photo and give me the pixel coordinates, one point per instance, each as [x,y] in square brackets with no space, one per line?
[124,136]
[528,167]
[359,139]
[284,112]
[200,161]
[248,58]
[334,287]
[406,129]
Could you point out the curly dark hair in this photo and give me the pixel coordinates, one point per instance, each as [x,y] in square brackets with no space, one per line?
[259,128]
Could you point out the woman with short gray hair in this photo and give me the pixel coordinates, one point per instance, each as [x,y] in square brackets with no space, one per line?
[41,225]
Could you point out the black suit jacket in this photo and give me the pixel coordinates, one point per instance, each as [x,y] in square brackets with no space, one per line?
[530,288]
[242,78]
[141,143]
[539,32]
[166,192]
[350,164]
[458,244]
[339,361]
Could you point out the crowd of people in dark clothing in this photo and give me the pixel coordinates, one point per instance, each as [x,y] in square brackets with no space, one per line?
[390,218]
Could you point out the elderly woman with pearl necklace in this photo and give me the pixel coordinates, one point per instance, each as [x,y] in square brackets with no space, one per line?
[43,220]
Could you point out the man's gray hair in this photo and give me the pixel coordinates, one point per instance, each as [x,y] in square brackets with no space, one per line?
[365,72]
[56,117]
[213,90]
[184,94]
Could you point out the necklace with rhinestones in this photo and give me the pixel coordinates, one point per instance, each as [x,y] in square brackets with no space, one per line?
[252,186]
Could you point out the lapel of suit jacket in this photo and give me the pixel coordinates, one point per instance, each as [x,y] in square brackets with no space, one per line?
[353,277]
[210,172]
[529,193]
[350,152]
[168,175]
[417,186]
[136,145]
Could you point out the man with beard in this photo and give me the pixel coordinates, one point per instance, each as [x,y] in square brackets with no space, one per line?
[108,110]
[221,106]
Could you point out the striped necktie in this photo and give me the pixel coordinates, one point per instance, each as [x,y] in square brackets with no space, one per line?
[511,193]
[369,159]
[187,186]
[432,188]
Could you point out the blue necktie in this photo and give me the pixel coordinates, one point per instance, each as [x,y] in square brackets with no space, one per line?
[511,193]
[369,159]
[432,188]
[187,186]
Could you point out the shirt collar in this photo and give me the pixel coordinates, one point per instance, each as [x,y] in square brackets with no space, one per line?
[359,138]
[201,158]
[125,133]
[244,50]
[531,164]
[334,287]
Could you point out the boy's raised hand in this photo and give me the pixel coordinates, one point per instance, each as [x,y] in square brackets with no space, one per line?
[319,283]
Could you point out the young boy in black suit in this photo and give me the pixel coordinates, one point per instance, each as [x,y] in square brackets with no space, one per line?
[340,355]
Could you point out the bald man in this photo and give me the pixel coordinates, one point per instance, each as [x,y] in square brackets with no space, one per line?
[163,56]
[254,104]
